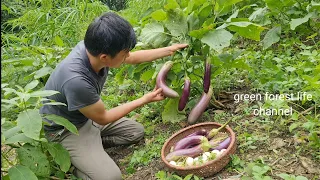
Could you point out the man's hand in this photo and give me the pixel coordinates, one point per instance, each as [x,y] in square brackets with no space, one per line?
[155,95]
[173,48]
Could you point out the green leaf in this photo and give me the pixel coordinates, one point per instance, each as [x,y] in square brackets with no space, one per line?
[31,85]
[257,13]
[205,11]
[295,116]
[30,122]
[153,34]
[60,155]
[12,131]
[176,177]
[63,122]
[293,126]
[301,178]
[147,75]
[172,4]
[199,33]
[55,104]
[3,138]
[196,177]
[4,85]
[297,22]
[224,4]
[283,175]
[33,158]
[43,72]
[159,15]
[6,177]
[246,29]
[217,39]
[120,75]
[20,172]
[188,177]
[171,113]
[234,15]
[43,93]
[290,69]
[277,5]
[176,23]
[313,6]
[21,138]
[58,41]
[272,36]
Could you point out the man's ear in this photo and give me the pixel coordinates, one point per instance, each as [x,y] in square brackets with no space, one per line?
[104,58]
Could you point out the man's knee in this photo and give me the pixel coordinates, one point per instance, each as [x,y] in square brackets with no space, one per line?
[138,133]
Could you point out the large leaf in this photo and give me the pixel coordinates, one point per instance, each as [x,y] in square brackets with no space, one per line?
[205,11]
[297,22]
[43,93]
[172,4]
[60,155]
[159,15]
[277,5]
[33,158]
[154,34]
[217,39]
[147,75]
[171,113]
[246,29]
[58,41]
[42,72]
[55,104]
[199,33]
[30,122]
[10,132]
[272,36]
[223,4]
[3,138]
[176,23]
[20,172]
[31,85]
[21,138]
[63,122]
[260,16]
[193,22]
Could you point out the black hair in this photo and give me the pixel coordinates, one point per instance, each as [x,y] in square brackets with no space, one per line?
[109,34]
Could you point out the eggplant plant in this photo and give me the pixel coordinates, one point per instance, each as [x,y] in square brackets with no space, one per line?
[207,31]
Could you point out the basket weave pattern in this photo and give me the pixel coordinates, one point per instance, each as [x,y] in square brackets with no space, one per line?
[209,168]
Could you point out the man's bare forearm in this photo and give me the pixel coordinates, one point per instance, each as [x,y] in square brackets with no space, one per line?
[147,55]
[118,112]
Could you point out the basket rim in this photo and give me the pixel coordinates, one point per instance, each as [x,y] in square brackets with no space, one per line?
[232,143]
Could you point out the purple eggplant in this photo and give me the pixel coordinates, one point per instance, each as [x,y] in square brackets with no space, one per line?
[207,77]
[223,145]
[161,81]
[200,107]
[191,152]
[185,94]
[190,141]
[202,132]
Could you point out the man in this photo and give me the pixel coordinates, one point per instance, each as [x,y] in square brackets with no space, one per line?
[80,78]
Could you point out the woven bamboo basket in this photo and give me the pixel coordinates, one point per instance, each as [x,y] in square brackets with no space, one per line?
[209,168]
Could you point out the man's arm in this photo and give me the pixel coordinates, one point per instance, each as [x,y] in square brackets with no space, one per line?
[100,115]
[152,54]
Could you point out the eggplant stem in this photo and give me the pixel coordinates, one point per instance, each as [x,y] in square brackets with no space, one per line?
[221,127]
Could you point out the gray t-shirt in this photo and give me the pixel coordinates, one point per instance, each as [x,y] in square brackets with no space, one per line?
[79,86]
